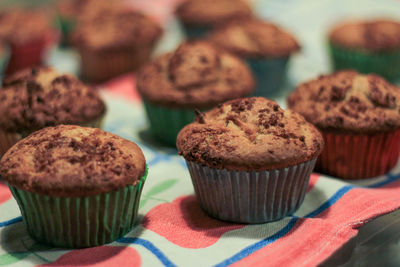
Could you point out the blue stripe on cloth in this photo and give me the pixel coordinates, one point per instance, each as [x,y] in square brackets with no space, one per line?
[12,221]
[149,246]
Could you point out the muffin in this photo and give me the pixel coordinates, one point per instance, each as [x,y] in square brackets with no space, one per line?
[114,41]
[27,32]
[250,161]
[36,98]
[199,16]
[195,76]
[359,117]
[75,186]
[266,47]
[367,46]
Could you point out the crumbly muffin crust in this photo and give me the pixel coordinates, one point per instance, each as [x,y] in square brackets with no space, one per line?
[22,25]
[39,97]
[72,161]
[254,38]
[348,101]
[211,12]
[374,35]
[115,28]
[196,75]
[249,134]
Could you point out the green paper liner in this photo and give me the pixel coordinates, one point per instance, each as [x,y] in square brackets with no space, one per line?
[77,222]
[195,31]
[386,64]
[66,25]
[165,123]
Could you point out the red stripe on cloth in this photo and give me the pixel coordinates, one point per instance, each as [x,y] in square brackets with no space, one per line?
[313,240]
[5,193]
[124,86]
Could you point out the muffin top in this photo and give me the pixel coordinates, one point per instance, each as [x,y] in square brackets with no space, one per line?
[72,161]
[195,75]
[249,134]
[20,25]
[115,27]
[211,12]
[36,98]
[348,101]
[254,38]
[375,35]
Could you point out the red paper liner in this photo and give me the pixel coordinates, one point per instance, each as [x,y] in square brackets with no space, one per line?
[350,156]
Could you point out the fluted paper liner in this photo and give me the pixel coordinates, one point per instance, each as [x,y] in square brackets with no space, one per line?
[359,156]
[76,222]
[250,196]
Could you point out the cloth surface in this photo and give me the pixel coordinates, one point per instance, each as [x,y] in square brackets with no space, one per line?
[172,229]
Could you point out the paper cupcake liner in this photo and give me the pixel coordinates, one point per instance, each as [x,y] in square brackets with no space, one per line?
[270,75]
[76,222]
[165,123]
[4,59]
[358,156]
[100,66]
[66,25]
[195,32]
[250,196]
[386,64]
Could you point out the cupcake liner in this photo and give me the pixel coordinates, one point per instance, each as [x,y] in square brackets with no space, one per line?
[195,32]
[270,75]
[102,65]
[386,64]
[250,196]
[76,222]
[359,156]
[66,25]
[165,123]
[4,59]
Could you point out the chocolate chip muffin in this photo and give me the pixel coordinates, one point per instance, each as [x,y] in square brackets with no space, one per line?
[359,116]
[249,159]
[266,47]
[36,98]
[199,16]
[114,41]
[75,186]
[371,46]
[194,76]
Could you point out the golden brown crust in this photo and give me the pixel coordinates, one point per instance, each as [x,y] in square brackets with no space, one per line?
[254,38]
[374,35]
[116,27]
[249,134]
[211,12]
[72,161]
[196,75]
[348,101]
[23,25]
[35,98]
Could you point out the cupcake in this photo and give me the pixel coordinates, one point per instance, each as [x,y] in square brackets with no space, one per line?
[359,117]
[199,16]
[75,186]
[195,76]
[36,98]
[27,32]
[266,47]
[114,41]
[250,161]
[367,46]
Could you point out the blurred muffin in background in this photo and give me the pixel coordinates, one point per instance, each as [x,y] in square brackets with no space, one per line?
[266,47]
[195,76]
[36,98]
[28,33]
[199,16]
[359,118]
[114,41]
[368,46]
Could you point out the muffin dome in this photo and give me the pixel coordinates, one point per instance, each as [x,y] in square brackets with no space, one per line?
[195,75]
[72,161]
[374,35]
[348,101]
[35,98]
[254,38]
[210,12]
[249,134]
